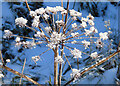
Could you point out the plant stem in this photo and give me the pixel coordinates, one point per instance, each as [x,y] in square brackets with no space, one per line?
[55,66]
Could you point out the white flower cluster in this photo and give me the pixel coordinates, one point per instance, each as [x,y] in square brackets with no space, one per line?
[103,36]
[60,23]
[56,38]
[75,73]
[36,58]
[86,43]
[75,34]
[76,53]
[7,34]
[74,25]
[21,21]
[99,43]
[94,55]
[75,13]
[59,59]
[36,21]
[48,29]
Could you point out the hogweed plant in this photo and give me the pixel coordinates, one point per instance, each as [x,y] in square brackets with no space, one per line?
[58,32]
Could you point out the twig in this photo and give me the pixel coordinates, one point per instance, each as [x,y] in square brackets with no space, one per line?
[1,57]
[93,66]
[22,70]
[27,5]
[19,74]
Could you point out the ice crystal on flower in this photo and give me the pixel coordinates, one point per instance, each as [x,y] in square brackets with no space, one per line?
[40,11]
[39,34]
[84,24]
[36,58]
[59,8]
[35,23]
[7,34]
[33,13]
[74,25]
[76,53]
[75,13]
[93,29]
[21,21]
[103,36]
[59,59]
[87,32]
[84,19]
[94,55]
[86,43]
[17,39]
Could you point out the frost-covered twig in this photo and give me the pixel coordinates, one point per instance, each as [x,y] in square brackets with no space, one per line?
[93,66]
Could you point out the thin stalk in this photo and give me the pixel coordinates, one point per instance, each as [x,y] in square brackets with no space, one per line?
[22,71]
[56,66]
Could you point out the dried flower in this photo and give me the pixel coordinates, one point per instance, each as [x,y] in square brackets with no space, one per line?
[7,34]
[103,36]
[94,55]
[77,53]
[86,43]
[21,21]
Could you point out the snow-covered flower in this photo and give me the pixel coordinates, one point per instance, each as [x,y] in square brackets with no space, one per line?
[7,60]
[90,17]
[17,39]
[99,43]
[59,8]
[60,22]
[36,58]
[64,12]
[51,9]
[40,11]
[75,73]
[39,34]
[75,13]
[36,18]
[93,29]
[48,29]
[86,43]
[74,18]
[33,13]
[91,22]
[94,55]
[59,59]
[21,21]
[7,34]
[74,25]
[103,36]
[75,34]
[1,75]
[56,38]
[87,32]
[46,16]
[28,44]
[84,24]
[18,44]
[76,53]
[35,23]
[84,19]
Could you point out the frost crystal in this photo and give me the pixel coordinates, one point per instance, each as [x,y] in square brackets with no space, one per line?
[103,36]
[35,58]
[7,34]
[59,59]
[94,55]
[77,53]
[86,43]
[21,21]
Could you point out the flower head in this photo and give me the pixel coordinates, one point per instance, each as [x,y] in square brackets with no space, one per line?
[86,43]
[103,36]
[94,55]
[21,21]
[7,34]
[77,53]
